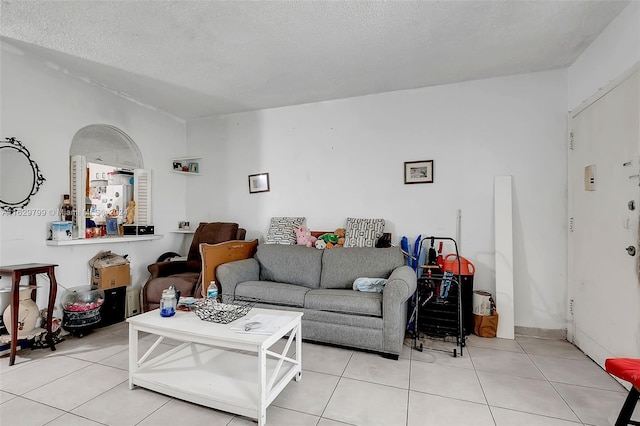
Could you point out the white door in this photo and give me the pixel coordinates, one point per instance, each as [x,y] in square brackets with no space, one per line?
[604,290]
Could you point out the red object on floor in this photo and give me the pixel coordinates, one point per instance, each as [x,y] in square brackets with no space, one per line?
[627,369]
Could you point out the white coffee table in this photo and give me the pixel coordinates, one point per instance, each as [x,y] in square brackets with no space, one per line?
[215,366]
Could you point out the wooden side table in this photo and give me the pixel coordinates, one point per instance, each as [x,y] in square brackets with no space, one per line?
[31,270]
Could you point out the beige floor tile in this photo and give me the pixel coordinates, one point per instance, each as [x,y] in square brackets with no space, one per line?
[425,409]
[98,346]
[376,369]
[121,359]
[452,382]
[23,412]
[583,372]
[367,404]
[40,372]
[277,416]
[5,396]
[592,406]
[329,422]
[283,417]
[442,358]
[76,388]
[504,417]
[23,357]
[524,394]
[310,395]
[72,420]
[445,347]
[406,348]
[505,362]
[176,412]
[549,347]
[325,359]
[494,343]
[132,406]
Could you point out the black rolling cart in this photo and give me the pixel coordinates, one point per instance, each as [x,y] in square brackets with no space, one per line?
[438,309]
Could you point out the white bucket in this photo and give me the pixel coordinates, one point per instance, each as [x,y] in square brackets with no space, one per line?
[481,302]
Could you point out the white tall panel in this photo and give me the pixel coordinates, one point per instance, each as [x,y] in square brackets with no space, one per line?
[142,196]
[504,256]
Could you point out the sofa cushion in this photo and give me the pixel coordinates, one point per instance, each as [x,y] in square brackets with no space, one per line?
[270,292]
[282,230]
[341,266]
[363,232]
[344,301]
[290,264]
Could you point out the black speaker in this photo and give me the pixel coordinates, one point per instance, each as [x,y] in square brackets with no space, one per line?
[112,310]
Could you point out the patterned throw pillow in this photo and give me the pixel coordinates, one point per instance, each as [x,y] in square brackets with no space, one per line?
[282,230]
[363,232]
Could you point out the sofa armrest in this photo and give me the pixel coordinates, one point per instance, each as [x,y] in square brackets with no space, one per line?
[401,285]
[164,269]
[231,274]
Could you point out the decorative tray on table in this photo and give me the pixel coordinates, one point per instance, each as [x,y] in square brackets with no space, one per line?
[222,312]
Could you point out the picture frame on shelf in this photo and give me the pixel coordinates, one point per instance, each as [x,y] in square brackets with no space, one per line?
[193,167]
[177,165]
[418,172]
[259,183]
[112,225]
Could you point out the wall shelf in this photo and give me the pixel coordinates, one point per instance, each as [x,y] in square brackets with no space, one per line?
[183,231]
[104,240]
[186,162]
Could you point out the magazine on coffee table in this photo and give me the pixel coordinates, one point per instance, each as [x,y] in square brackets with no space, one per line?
[261,324]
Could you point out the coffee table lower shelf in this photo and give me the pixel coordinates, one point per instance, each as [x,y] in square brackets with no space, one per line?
[213,377]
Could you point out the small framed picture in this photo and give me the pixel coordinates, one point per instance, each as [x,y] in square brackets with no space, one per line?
[193,167]
[112,225]
[259,183]
[177,165]
[418,171]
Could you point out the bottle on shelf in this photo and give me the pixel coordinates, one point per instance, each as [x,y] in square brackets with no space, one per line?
[440,259]
[212,291]
[66,210]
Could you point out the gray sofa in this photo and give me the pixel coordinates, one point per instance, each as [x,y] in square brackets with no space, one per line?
[319,283]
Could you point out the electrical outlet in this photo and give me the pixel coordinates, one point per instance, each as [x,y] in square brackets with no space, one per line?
[590,178]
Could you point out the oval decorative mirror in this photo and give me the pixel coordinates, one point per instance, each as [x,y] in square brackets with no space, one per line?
[21,176]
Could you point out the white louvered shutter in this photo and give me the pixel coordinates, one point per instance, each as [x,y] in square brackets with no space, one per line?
[142,196]
[78,194]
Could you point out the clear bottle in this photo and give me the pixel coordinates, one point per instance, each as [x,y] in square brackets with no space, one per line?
[212,291]
[168,303]
[66,210]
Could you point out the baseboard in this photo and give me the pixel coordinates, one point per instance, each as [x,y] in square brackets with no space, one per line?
[543,333]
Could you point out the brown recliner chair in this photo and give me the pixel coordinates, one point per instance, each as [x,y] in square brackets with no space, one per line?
[184,274]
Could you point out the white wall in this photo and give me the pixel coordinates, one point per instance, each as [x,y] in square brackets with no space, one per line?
[44,108]
[616,50]
[332,160]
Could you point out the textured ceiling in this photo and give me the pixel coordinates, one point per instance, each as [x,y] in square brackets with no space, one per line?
[202,58]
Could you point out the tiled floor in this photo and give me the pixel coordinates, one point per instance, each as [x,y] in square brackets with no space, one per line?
[526,381]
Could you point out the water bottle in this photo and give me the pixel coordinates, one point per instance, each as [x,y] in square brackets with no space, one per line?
[212,291]
[168,303]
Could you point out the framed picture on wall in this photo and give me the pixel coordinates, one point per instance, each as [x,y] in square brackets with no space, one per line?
[259,183]
[418,171]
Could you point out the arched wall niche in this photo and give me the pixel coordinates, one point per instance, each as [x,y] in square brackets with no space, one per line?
[108,145]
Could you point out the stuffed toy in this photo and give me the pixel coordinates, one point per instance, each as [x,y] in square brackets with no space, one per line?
[340,232]
[321,244]
[304,237]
